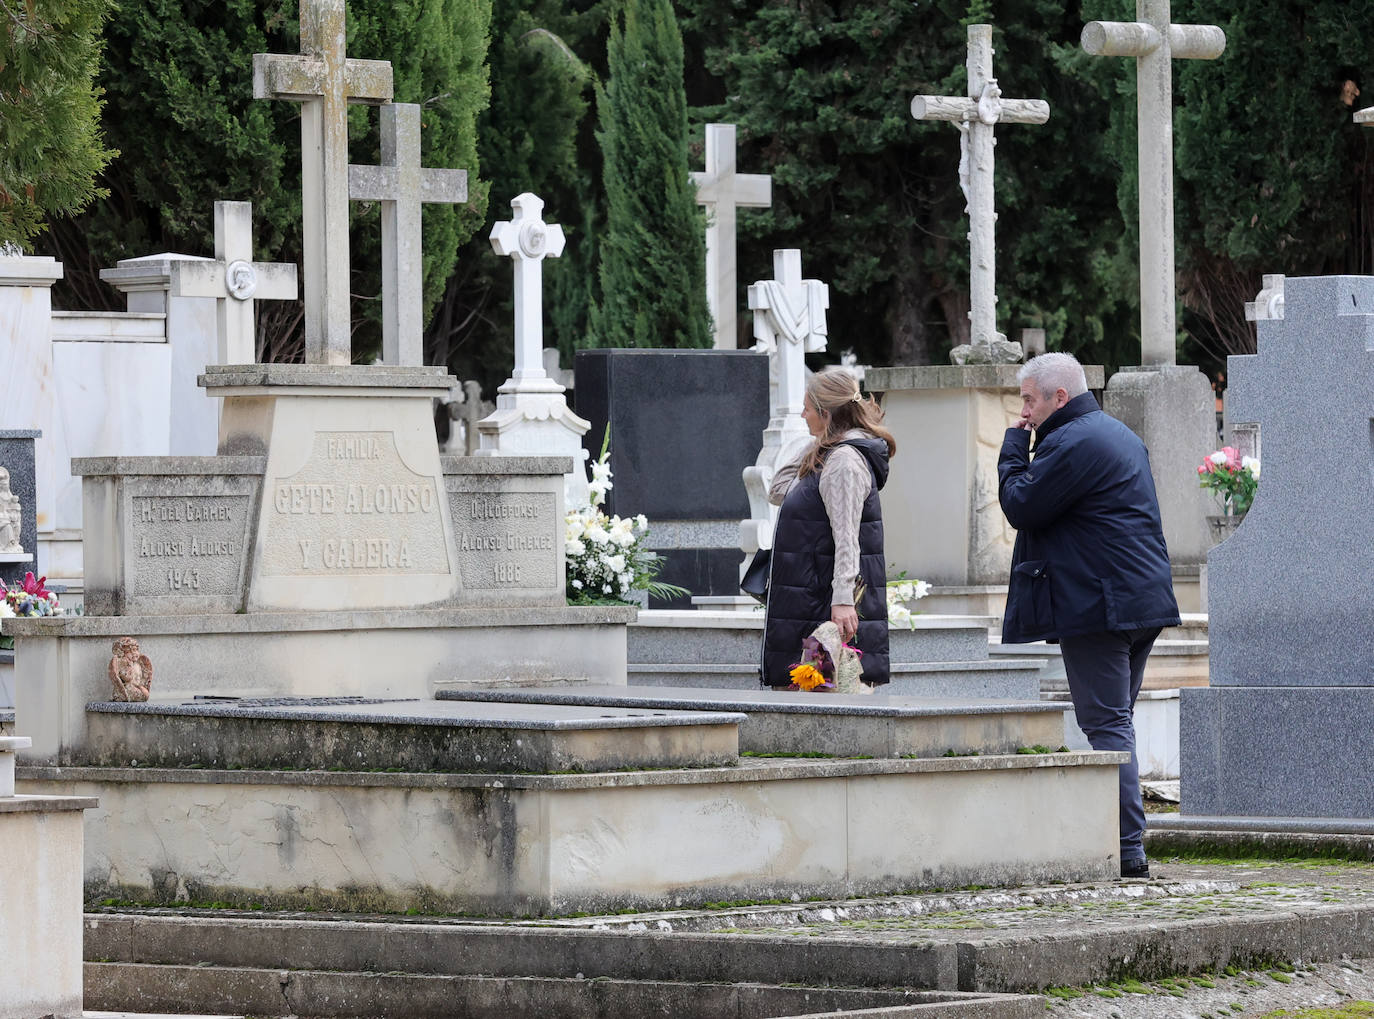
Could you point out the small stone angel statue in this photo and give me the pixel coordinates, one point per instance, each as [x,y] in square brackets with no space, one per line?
[131,672]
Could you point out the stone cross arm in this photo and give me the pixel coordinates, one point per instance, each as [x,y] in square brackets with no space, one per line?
[958,109]
[382,183]
[300,78]
[1137,39]
[750,190]
[1365,116]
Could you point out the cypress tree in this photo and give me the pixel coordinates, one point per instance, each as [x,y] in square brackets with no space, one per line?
[653,254]
[50,145]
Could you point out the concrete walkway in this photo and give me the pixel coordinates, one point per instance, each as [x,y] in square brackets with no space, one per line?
[1200,939]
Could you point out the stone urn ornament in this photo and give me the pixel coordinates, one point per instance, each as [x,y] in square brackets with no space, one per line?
[131,672]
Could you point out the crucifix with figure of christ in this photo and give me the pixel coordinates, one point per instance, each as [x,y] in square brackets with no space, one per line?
[977,117]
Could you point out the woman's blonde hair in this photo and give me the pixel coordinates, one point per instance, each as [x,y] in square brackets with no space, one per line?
[835,391]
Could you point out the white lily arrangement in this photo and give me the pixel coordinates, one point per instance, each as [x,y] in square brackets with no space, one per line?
[899,593]
[606,557]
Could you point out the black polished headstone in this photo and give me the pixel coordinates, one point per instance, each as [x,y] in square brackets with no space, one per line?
[683,426]
[17,456]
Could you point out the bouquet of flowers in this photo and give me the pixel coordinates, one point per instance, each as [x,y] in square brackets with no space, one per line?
[30,599]
[1233,478]
[899,593]
[605,555]
[827,663]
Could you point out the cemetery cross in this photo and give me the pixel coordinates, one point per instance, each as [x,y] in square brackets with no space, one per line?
[722,190]
[324,82]
[235,280]
[400,184]
[977,117]
[789,322]
[528,240]
[1154,41]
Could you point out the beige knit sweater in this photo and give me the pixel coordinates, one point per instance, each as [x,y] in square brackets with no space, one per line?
[845,484]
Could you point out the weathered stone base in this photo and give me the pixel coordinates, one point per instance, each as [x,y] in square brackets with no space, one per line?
[1277,752]
[542,845]
[40,890]
[61,663]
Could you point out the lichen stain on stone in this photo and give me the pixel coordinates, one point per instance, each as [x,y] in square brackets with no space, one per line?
[288,831]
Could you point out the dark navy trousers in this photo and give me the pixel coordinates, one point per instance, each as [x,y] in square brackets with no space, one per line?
[1105,671]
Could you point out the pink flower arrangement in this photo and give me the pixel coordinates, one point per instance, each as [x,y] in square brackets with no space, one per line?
[1233,478]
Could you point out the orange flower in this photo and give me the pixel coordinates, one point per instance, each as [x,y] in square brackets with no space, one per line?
[806,677]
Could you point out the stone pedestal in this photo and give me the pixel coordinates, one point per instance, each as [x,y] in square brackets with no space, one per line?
[942,522]
[1173,410]
[40,898]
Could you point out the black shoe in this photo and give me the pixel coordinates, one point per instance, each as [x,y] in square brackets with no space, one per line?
[1135,868]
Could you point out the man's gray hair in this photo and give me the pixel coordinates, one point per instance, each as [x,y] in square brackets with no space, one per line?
[1049,372]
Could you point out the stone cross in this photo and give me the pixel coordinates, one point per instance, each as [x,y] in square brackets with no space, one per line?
[789,322]
[1154,41]
[324,82]
[400,184]
[235,281]
[722,190]
[528,240]
[977,116]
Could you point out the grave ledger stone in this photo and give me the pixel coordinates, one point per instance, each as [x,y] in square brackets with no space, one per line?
[683,426]
[1283,729]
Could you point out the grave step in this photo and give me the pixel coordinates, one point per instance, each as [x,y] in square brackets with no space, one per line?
[839,725]
[665,636]
[1172,663]
[1016,679]
[326,994]
[357,734]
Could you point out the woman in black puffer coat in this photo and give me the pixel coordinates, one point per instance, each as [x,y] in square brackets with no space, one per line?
[828,541]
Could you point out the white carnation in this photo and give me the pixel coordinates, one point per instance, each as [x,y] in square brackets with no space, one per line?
[642,522]
[577,584]
[574,548]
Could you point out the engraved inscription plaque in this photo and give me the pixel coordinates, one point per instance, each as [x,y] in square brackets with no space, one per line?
[186,542]
[354,508]
[506,539]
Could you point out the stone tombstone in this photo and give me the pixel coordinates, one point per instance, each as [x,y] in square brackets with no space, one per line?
[17,458]
[1284,728]
[977,116]
[508,527]
[683,426]
[163,538]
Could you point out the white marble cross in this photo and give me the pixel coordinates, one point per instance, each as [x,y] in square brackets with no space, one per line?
[324,82]
[722,190]
[400,184]
[789,322]
[528,240]
[235,280]
[977,117]
[1155,42]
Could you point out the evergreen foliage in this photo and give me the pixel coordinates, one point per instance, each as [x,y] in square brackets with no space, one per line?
[178,74]
[535,136]
[51,149]
[652,271]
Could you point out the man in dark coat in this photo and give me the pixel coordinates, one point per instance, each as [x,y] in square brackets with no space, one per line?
[1090,569]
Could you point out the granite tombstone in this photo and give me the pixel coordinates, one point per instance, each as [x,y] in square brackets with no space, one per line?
[683,426]
[1283,730]
[17,458]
